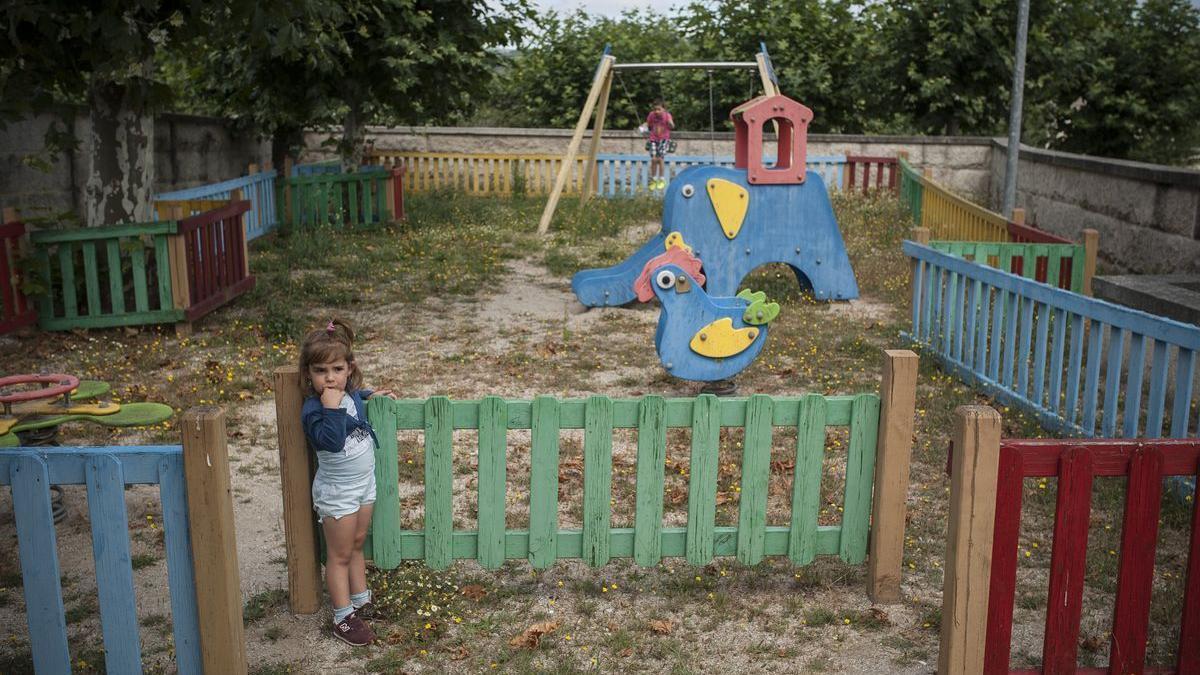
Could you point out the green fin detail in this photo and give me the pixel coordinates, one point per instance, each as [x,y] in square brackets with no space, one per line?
[752,296]
[760,312]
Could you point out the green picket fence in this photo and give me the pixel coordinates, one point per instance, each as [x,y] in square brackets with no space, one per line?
[648,542]
[118,275]
[341,199]
[911,189]
[1060,265]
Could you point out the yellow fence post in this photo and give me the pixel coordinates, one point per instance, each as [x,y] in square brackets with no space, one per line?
[1091,245]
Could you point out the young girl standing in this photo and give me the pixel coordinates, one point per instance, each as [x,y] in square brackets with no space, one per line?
[343,492]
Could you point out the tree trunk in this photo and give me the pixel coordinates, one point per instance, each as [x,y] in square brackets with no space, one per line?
[118,158]
[352,140]
[285,141]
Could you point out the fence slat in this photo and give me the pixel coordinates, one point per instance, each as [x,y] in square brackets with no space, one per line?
[439,483]
[860,478]
[1185,364]
[1057,346]
[1189,624]
[38,552]
[386,530]
[1091,384]
[756,472]
[1043,317]
[177,540]
[597,479]
[116,282]
[983,330]
[1112,382]
[1068,560]
[1074,367]
[806,481]
[1002,589]
[114,569]
[1133,385]
[1135,577]
[702,484]
[543,484]
[91,273]
[493,442]
[651,458]
[1026,341]
[1158,391]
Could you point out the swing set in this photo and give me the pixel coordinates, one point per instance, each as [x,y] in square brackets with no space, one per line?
[597,102]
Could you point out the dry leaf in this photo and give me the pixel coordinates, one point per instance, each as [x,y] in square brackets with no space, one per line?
[459,654]
[662,627]
[532,636]
[879,614]
[474,592]
[628,651]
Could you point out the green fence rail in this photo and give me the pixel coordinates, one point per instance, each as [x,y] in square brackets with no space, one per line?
[94,277]
[911,189]
[544,542]
[341,199]
[1060,265]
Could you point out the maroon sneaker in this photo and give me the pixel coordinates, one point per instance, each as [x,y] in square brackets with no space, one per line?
[367,611]
[353,631]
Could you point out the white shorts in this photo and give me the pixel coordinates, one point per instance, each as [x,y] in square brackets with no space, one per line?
[340,499]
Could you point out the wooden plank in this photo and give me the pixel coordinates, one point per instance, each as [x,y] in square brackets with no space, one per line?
[1003,584]
[806,478]
[439,483]
[1074,368]
[1091,383]
[589,167]
[993,369]
[386,527]
[181,577]
[1112,380]
[976,443]
[1185,366]
[1024,347]
[651,466]
[37,549]
[966,350]
[1188,660]
[66,268]
[860,477]
[493,443]
[214,544]
[296,474]
[116,282]
[602,73]
[702,484]
[114,569]
[1091,244]
[140,292]
[1135,576]
[1157,402]
[756,474]
[543,484]
[597,480]
[1058,347]
[983,330]
[1133,385]
[1040,347]
[1067,560]
[893,454]
[1012,320]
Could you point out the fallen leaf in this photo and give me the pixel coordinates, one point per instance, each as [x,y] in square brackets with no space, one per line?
[879,614]
[474,592]
[532,636]
[661,626]
[459,654]
[628,651]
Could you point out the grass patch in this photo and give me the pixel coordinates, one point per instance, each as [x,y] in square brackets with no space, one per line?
[261,603]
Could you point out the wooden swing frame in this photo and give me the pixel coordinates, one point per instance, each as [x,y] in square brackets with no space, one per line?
[597,101]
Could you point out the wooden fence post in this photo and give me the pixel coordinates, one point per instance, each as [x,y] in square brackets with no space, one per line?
[969,541]
[181,292]
[214,542]
[1018,216]
[296,473]
[1091,244]
[893,451]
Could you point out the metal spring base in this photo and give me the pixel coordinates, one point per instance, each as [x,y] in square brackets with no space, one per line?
[47,437]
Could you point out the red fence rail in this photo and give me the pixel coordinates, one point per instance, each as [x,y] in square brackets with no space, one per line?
[15,310]
[860,168]
[216,258]
[1076,464]
[1024,234]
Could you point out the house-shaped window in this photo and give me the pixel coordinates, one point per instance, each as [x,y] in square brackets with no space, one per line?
[791,118]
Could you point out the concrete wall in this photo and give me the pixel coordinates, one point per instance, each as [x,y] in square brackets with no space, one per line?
[188,151]
[961,162]
[1148,215]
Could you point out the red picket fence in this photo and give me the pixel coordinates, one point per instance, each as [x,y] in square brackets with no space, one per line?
[1076,464]
[15,310]
[216,258]
[885,170]
[1024,234]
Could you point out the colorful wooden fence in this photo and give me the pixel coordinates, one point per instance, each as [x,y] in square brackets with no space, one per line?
[345,199]
[534,174]
[1060,265]
[257,187]
[648,541]
[912,189]
[981,567]
[1044,349]
[867,173]
[15,309]
[124,275]
[197,520]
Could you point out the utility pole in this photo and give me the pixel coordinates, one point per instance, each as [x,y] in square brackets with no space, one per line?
[1014,117]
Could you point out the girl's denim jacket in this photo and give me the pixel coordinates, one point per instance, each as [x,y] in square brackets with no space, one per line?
[328,428]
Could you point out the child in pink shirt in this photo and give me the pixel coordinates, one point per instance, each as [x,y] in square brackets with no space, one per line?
[659,122]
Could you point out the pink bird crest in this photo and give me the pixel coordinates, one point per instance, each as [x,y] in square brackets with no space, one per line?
[674,256]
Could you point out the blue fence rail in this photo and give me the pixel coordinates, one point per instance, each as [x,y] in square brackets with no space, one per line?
[629,175]
[1078,364]
[258,188]
[106,471]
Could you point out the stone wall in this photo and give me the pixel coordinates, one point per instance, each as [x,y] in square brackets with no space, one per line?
[963,163]
[1148,215]
[188,151]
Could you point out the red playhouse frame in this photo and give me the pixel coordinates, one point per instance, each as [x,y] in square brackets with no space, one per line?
[791,119]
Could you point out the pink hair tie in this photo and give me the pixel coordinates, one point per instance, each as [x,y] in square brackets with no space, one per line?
[330,328]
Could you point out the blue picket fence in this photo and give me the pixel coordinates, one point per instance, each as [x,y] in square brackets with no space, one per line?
[105,471]
[629,175]
[258,188]
[1078,364]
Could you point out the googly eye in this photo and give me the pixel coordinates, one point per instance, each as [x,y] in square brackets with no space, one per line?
[665,279]
[688,190]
